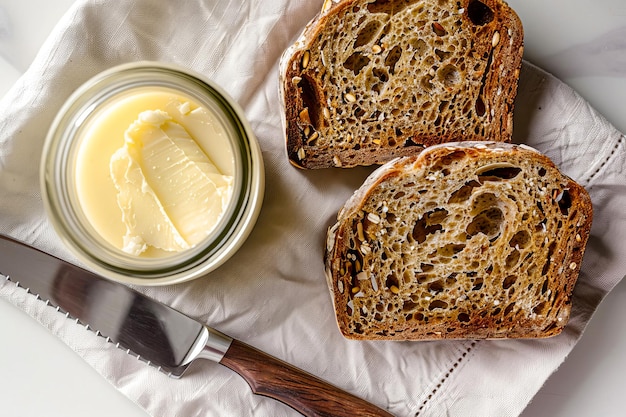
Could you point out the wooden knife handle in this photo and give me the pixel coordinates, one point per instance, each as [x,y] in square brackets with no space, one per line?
[298,389]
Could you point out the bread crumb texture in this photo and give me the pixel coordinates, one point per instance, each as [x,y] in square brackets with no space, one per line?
[476,241]
[370,80]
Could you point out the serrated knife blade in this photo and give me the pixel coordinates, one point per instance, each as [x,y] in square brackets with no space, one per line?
[165,338]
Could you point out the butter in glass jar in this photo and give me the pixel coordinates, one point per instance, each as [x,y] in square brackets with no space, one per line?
[151,175]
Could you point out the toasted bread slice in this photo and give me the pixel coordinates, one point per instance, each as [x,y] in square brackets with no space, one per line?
[369,80]
[465,240]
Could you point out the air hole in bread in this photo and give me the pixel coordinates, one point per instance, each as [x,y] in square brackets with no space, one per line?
[428,224]
[512,259]
[450,249]
[541,226]
[442,55]
[539,308]
[542,172]
[392,58]
[520,239]
[449,76]
[462,194]
[408,305]
[509,309]
[359,112]
[356,258]
[486,222]
[479,13]
[368,33]
[477,284]
[427,267]
[509,281]
[410,142]
[463,317]
[452,157]
[437,304]
[436,286]
[399,195]
[427,85]
[480,107]
[391,281]
[418,46]
[483,201]
[564,201]
[422,278]
[498,173]
[438,29]
[546,266]
[550,327]
[356,62]
[383,76]
[310,100]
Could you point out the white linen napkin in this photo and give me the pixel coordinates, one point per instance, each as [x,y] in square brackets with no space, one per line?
[272,294]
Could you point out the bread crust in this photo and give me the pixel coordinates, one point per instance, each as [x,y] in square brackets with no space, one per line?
[462,86]
[460,274]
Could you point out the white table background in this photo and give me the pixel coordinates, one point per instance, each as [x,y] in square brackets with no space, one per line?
[582,42]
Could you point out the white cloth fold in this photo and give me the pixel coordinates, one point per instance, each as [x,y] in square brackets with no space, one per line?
[273,293]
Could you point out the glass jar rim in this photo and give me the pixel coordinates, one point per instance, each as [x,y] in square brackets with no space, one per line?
[75,232]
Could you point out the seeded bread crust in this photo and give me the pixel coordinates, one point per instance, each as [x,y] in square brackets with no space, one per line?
[466,240]
[370,80]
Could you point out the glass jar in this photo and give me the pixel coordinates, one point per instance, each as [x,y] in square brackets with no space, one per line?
[72,222]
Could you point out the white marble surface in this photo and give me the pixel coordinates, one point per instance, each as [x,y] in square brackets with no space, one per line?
[581,42]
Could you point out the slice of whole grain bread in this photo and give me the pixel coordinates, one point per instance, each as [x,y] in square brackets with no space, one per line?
[465,240]
[369,80]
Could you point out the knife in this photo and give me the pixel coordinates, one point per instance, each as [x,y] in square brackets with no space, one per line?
[165,338]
